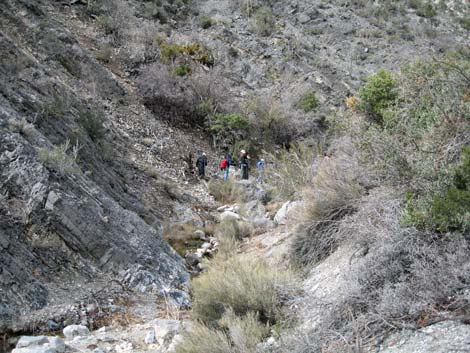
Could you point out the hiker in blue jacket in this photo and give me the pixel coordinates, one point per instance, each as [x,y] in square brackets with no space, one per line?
[260,166]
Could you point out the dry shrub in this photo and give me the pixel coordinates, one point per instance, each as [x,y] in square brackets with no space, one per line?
[184,101]
[291,170]
[397,278]
[202,338]
[240,335]
[336,186]
[182,238]
[244,284]
[226,191]
[232,228]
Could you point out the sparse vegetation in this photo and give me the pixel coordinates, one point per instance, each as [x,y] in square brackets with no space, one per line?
[206,21]
[263,22]
[226,192]
[308,102]
[243,284]
[60,159]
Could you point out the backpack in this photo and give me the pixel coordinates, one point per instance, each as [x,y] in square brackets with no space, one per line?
[223,164]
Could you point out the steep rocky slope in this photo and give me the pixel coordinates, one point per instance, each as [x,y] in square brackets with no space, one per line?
[83,200]
[90,177]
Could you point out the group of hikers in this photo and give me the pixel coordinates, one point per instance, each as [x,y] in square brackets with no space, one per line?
[227,162]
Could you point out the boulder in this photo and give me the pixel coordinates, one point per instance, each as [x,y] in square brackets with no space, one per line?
[75,330]
[40,344]
[229,215]
[28,341]
[285,212]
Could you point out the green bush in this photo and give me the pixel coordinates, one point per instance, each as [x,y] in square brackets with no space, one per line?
[307,102]
[242,283]
[58,158]
[426,10]
[92,122]
[447,210]
[263,22]
[205,21]
[231,121]
[182,70]
[106,24]
[379,93]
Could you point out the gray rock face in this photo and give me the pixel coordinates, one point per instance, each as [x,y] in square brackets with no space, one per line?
[63,221]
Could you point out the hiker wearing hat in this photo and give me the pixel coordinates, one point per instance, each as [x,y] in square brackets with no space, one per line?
[244,164]
[260,167]
[201,164]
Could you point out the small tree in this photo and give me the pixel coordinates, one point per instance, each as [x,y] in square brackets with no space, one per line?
[378,94]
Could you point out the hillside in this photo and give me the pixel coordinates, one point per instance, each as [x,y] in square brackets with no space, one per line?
[359,229]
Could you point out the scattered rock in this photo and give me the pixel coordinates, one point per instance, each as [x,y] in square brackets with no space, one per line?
[229,215]
[165,330]
[75,331]
[150,337]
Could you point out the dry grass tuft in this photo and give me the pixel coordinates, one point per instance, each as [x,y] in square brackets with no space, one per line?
[242,283]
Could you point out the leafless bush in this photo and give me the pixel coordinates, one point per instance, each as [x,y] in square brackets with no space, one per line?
[336,187]
[183,100]
[397,277]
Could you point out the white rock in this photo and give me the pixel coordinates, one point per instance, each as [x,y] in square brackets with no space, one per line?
[124,347]
[75,330]
[104,329]
[35,349]
[200,234]
[285,212]
[52,198]
[28,341]
[150,337]
[229,215]
[57,343]
[206,246]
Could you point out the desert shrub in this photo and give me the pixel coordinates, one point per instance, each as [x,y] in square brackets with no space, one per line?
[205,21]
[242,283]
[227,128]
[336,188]
[104,54]
[307,102]
[182,238]
[182,70]
[426,10]
[394,275]
[232,228]
[290,171]
[59,159]
[263,22]
[202,338]
[464,22]
[449,209]
[268,120]
[378,94]
[226,191]
[106,24]
[240,335]
[92,122]
[191,51]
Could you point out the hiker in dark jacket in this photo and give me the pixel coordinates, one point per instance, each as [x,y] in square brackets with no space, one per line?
[244,164]
[201,164]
